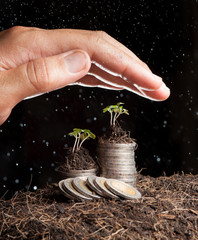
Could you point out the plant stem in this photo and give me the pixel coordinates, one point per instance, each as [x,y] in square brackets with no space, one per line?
[77,148]
[74,144]
[114,119]
[111,118]
[83,142]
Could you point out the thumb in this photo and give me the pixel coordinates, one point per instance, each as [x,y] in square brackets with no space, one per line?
[46,74]
[41,75]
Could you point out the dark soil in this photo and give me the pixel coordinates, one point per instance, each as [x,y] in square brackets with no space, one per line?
[116,134]
[80,160]
[167,210]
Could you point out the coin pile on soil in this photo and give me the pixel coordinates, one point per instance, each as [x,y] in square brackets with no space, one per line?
[93,187]
[117,160]
[168,209]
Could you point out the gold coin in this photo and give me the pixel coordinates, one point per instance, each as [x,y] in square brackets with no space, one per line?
[81,186]
[68,186]
[100,183]
[122,189]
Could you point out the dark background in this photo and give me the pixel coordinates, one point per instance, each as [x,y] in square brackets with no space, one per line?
[164,34]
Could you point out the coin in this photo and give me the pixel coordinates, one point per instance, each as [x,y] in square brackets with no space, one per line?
[122,189]
[72,191]
[61,186]
[81,186]
[100,183]
[90,183]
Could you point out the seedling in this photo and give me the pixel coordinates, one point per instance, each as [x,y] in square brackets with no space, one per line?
[80,136]
[115,111]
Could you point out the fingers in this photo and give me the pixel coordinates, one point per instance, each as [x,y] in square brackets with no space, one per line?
[120,46]
[93,81]
[160,94]
[118,67]
[97,77]
[102,49]
[110,57]
[43,75]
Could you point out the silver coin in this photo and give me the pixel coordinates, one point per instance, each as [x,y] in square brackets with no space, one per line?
[72,191]
[90,183]
[81,186]
[100,183]
[80,173]
[61,186]
[122,189]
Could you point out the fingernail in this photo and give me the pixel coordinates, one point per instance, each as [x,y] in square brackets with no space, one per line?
[75,62]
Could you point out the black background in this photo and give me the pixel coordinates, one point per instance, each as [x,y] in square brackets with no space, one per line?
[164,34]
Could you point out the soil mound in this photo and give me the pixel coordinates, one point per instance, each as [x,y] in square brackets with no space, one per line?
[115,134]
[168,209]
[80,160]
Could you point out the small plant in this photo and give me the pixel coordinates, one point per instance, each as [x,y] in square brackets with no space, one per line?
[80,136]
[115,111]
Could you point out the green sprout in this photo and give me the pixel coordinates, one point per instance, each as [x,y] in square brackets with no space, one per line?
[81,135]
[115,111]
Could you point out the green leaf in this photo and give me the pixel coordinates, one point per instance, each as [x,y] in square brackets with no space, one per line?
[107,109]
[89,133]
[125,111]
[93,136]
[120,103]
[72,134]
[77,130]
[83,136]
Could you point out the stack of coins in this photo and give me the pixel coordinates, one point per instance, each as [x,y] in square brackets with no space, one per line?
[80,173]
[117,161]
[92,187]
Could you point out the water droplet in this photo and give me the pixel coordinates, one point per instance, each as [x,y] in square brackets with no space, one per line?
[158,159]
[16,181]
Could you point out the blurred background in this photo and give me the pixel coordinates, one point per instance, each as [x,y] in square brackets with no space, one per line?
[164,35]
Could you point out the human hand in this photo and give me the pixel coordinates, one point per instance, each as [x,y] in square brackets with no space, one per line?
[34,61]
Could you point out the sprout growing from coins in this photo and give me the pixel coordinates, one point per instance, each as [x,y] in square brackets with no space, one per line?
[81,135]
[115,111]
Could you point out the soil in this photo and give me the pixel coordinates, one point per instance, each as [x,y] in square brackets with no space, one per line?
[80,160]
[116,134]
[167,210]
